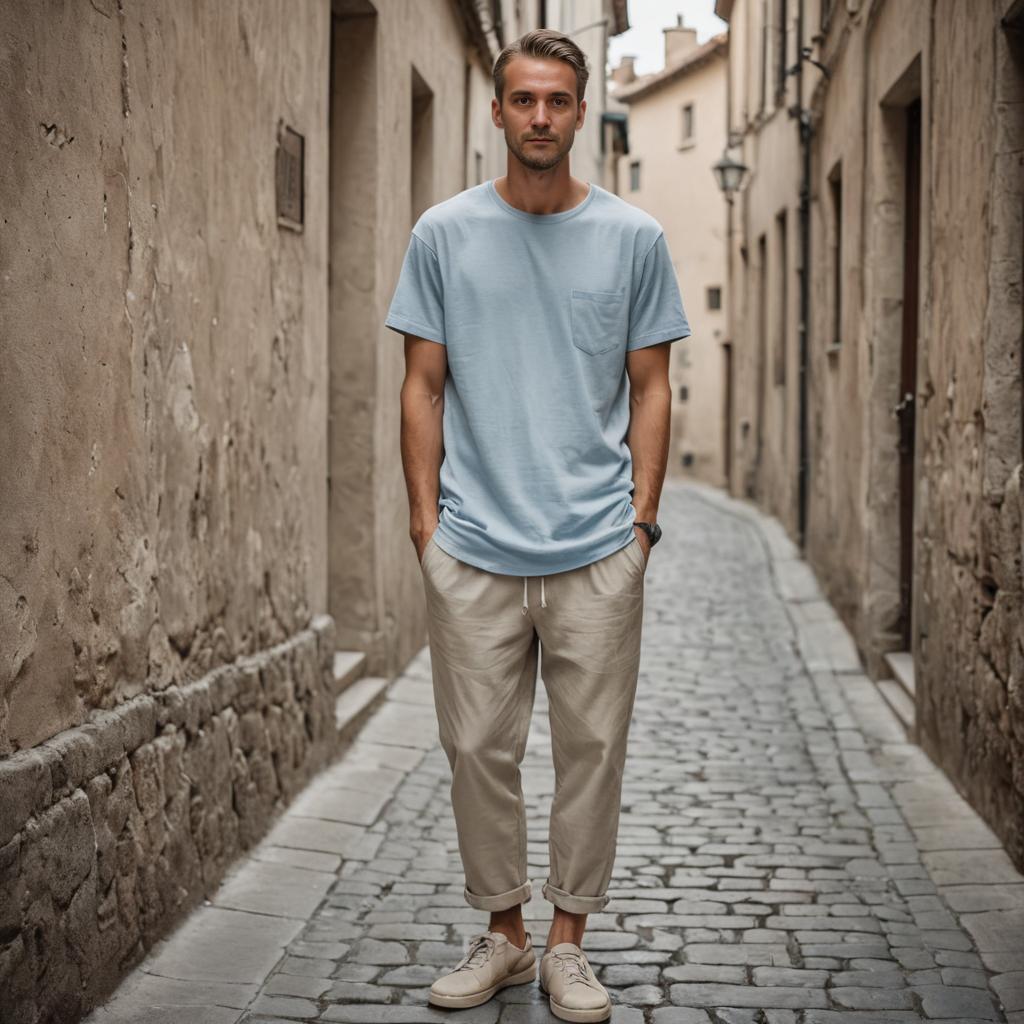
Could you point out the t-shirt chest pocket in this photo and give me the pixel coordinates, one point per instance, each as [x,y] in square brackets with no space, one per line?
[598,320]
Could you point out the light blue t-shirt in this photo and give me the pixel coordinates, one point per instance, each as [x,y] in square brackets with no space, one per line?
[537,312]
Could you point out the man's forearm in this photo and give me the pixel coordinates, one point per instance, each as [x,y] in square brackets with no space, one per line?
[422,444]
[650,422]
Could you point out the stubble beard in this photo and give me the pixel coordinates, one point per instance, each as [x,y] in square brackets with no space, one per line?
[537,163]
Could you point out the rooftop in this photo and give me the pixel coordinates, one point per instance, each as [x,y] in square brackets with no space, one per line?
[716,46]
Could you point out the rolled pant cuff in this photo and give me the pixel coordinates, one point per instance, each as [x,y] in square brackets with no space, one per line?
[574,904]
[504,900]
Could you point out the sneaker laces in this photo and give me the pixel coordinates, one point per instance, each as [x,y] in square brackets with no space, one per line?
[572,966]
[480,949]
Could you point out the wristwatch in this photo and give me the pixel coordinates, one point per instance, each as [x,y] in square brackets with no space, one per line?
[653,531]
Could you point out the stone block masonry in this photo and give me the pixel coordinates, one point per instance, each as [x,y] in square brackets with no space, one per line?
[112,831]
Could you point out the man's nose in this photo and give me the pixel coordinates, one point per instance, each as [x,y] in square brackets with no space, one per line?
[540,115]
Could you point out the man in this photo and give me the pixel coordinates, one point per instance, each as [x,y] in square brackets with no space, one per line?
[537,313]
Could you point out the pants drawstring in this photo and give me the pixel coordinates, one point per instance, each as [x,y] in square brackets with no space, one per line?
[543,600]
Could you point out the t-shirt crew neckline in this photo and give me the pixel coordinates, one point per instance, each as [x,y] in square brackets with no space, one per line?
[541,218]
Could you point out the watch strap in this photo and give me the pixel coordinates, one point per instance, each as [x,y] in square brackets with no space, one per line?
[652,530]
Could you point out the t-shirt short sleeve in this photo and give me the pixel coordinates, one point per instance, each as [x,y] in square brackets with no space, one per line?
[656,313]
[417,307]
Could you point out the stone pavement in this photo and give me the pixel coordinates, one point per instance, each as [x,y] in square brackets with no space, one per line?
[785,855]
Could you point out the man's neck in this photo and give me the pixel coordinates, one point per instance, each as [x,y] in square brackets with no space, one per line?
[553,191]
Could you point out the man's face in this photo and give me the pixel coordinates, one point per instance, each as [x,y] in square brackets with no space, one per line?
[538,111]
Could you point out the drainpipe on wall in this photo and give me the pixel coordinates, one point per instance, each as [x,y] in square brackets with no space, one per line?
[806,130]
[729,276]
[804,118]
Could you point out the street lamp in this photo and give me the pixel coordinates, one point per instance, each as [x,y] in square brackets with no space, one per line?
[730,174]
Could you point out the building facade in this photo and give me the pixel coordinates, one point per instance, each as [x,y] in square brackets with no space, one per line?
[676,132]
[876,262]
[203,516]
[590,24]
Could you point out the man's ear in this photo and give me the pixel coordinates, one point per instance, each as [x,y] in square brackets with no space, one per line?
[582,113]
[496,112]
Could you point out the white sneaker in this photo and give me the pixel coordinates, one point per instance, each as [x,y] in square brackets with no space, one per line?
[575,994]
[492,963]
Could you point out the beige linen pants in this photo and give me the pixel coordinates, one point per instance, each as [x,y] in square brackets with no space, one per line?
[485,631]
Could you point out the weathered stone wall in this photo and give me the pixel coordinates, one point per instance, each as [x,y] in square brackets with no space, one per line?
[839,356]
[112,830]
[163,398]
[971,624]
[968,620]
[763,309]
[163,503]
[967,584]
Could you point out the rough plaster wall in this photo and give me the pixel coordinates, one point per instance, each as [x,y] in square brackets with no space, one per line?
[162,508]
[354,169]
[836,416]
[773,186]
[970,705]
[426,34]
[951,589]
[853,536]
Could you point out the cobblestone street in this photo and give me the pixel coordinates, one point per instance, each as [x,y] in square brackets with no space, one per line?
[785,855]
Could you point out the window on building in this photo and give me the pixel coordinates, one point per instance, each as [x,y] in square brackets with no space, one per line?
[688,124]
[835,191]
[634,176]
[478,165]
[781,19]
[826,14]
[684,393]
[714,298]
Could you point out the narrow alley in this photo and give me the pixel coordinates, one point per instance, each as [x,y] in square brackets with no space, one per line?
[286,286]
[785,855]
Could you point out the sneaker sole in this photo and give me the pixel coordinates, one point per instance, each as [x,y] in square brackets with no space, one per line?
[577,1016]
[476,998]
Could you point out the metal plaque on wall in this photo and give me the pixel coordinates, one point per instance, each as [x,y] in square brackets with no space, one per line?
[290,174]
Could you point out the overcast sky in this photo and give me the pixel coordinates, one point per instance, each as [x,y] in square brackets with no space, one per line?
[647,18]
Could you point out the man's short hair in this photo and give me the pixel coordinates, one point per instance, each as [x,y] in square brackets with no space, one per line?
[543,42]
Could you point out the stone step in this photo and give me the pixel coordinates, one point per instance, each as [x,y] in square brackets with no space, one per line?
[900,701]
[348,667]
[901,665]
[356,703]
